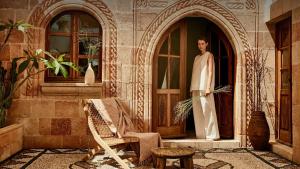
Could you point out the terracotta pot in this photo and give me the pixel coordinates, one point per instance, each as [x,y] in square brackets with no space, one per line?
[258,131]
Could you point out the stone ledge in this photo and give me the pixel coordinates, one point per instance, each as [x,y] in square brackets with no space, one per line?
[71,89]
[282,150]
[9,128]
[201,143]
[11,140]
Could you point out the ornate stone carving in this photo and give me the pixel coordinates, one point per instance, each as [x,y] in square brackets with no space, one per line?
[38,15]
[235,5]
[160,4]
[112,48]
[35,17]
[250,4]
[151,3]
[141,3]
[144,44]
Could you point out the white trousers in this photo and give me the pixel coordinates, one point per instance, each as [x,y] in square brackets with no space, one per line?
[205,117]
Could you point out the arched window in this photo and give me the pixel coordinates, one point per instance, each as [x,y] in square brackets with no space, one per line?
[71,33]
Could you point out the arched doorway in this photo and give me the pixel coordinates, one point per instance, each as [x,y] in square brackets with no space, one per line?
[172,68]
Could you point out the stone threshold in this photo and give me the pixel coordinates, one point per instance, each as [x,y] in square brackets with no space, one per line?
[201,143]
[282,150]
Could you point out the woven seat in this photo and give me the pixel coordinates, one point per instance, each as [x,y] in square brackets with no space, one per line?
[105,134]
[118,141]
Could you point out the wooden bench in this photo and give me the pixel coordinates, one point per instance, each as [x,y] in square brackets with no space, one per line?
[163,153]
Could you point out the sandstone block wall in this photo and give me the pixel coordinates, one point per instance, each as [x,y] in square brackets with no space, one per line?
[281,9]
[51,113]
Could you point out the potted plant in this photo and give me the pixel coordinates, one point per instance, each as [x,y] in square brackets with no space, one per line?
[258,130]
[24,67]
[12,77]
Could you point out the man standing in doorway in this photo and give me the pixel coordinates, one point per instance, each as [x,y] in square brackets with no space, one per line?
[202,85]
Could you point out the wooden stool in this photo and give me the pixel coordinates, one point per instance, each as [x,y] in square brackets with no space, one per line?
[163,153]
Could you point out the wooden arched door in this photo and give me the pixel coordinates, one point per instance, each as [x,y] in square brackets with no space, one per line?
[169,81]
[224,75]
[172,66]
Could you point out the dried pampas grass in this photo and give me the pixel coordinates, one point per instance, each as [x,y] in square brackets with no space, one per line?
[182,108]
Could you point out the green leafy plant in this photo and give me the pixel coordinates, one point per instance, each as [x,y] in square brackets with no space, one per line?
[24,67]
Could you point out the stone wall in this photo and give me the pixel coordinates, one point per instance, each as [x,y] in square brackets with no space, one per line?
[296,83]
[52,114]
[240,21]
[280,10]
[52,121]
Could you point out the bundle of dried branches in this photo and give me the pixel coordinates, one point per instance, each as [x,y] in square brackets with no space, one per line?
[182,108]
[261,75]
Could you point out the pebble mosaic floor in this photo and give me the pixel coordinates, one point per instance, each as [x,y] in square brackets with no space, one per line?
[203,159]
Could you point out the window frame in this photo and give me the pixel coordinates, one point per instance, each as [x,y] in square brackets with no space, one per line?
[280,27]
[74,55]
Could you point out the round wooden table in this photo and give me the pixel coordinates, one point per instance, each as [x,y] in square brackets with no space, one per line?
[161,154]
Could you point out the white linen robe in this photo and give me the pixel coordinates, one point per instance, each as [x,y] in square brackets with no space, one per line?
[205,118]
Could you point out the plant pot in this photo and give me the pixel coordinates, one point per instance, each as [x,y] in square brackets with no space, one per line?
[11,140]
[89,77]
[258,131]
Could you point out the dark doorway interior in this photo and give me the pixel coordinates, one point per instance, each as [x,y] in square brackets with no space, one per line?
[224,69]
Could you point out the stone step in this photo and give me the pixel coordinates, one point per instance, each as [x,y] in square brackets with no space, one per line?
[201,143]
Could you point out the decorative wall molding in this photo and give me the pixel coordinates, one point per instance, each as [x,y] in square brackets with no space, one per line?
[250,4]
[159,4]
[143,48]
[235,5]
[151,3]
[141,3]
[38,16]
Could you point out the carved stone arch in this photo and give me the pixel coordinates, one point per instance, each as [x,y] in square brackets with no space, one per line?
[45,11]
[230,25]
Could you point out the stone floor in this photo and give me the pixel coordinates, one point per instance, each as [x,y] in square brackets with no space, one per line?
[215,158]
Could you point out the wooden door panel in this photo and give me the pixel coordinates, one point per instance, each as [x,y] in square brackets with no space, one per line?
[168,65]
[283,82]
[224,71]
[162,109]
[284,112]
[170,132]
[175,98]
[225,118]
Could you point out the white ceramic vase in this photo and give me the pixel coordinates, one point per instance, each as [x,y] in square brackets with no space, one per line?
[89,77]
